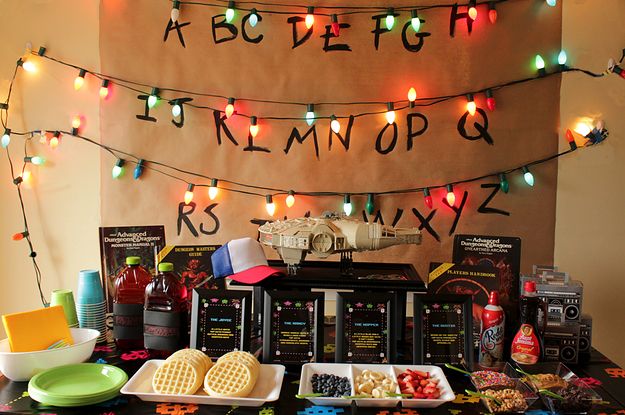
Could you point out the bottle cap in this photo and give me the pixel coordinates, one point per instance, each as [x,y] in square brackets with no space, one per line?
[529,287]
[165,267]
[133,260]
[493,298]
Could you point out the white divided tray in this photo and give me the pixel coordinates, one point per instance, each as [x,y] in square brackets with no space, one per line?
[267,388]
[352,370]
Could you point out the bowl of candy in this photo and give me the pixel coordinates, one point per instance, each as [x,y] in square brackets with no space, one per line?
[512,399]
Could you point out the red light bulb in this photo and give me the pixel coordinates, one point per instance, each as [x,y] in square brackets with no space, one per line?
[492,12]
[336,28]
[490,100]
[427,198]
[571,139]
[253,126]
[619,71]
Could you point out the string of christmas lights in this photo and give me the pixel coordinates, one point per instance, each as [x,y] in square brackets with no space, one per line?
[155,94]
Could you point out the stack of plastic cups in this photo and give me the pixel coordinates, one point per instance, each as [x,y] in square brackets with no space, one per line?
[90,304]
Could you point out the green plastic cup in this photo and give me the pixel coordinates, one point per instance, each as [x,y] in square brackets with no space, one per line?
[65,298]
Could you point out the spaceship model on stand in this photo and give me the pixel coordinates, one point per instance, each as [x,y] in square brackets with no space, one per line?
[329,234]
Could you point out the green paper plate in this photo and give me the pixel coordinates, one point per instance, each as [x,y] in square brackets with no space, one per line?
[77,385]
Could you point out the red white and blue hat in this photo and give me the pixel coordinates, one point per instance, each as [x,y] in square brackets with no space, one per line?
[243,260]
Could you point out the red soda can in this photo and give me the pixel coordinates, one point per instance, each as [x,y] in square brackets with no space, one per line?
[492,334]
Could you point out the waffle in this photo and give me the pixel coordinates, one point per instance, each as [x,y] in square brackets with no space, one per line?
[229,378]
[247,358]
[177,377]
[195,357]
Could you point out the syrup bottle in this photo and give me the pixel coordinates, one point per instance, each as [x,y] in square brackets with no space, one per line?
[165,313]
[527,346]
[128,304]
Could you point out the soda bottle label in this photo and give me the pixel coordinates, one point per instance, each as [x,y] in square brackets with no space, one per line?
[525,346]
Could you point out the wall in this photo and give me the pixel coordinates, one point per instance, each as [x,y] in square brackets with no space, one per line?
[590,229]
[63,202]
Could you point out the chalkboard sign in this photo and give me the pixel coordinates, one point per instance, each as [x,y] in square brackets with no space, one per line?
[442,329]
[220,321]
[293,327]
[365,327]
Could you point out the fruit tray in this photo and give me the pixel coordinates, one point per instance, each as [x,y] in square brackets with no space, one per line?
[267,388]
[352,371]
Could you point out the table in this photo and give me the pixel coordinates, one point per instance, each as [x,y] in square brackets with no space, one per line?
[606,377]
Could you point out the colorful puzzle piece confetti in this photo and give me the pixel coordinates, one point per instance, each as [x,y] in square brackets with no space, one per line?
[615,372]
[175,409]
[5,408]
[537,412]
[101,361]
[265,411]
[460,398]
[454,411]
[103,349]
[135,355]
[321,410]
[592,382]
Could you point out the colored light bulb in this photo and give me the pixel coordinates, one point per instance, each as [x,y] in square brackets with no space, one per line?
[619,71]
[571,139]
[29,66]
[19,236]
[347,205]
[412,96]
[42,137]
[230,12]
[528,176]
[76,121]
[551,3]
[583,128]
[562,58]
[36,160]
[390,19]
[310,17]
[176,110]
[118,169]
[175,11]
[55,140]
[26,175]
[79,81]
[503,183]
[415,22]
[269,205]
[335,125]
[310,114]
[540,62]
[427,198]
[492,12]
[213,190]
[390,113]
[253,18]
[336,28]
[253,126]
[138,169]
[490,100]
[229,108]
[188,195]
[370,205]
[6,138]
[104,89]
[472,10]
[451,197]
[471,106]
[290,199]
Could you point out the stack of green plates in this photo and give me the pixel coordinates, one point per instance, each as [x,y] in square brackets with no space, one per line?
[77,385]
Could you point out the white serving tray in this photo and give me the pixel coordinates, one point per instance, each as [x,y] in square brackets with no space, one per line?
[267,388]
[352,370]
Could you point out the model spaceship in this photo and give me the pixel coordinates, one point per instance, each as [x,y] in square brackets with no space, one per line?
[330,234]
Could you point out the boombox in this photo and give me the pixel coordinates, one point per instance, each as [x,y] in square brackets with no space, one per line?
[562,296]
[585,335]
[562,342]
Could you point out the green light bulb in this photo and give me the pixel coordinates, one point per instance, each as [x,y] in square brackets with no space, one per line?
[503,183]
[37,160]
[562,58]
[118,169]
[390,21]
[347,205]
[540,62]
[152,100]
[415,22]
[370,206]
[528,176]
[229,14]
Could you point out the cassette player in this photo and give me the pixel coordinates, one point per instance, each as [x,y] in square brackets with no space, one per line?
[562,342]
[562,296]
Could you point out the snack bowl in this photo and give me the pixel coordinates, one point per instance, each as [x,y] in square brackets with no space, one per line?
[579,398]
[359,370]
[21,366]
[337,369]
[560,370]
[435,372]
[497,380]
[526,392]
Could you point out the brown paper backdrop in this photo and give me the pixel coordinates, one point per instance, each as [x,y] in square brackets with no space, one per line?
[524,126]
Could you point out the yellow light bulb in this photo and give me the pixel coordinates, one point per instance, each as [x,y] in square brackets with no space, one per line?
[310,20]
[471,107]
[76,121]
[390,117]
[29,66]
[412,94]
[212,192]
[335,125]
[79,82]
[583,128]
[188,197]
[26,176]
[290,199]
[54,142]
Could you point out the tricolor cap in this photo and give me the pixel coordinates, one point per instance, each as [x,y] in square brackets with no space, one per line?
[243,260]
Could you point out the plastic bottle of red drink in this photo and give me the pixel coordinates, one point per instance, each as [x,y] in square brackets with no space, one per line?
[492,334]
[527,346]
[128,304]
[165,313]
